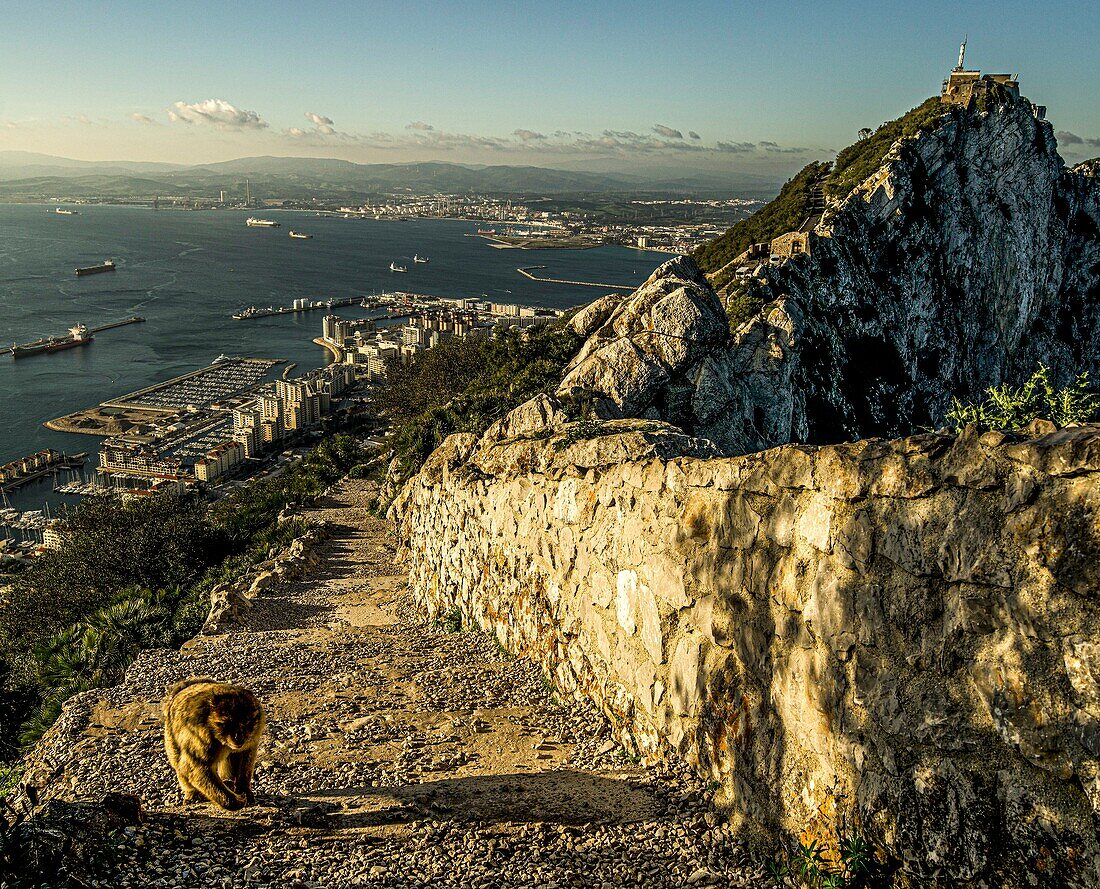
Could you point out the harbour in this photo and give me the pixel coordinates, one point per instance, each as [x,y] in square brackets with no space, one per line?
[299,305]
[187,273]
[17,473]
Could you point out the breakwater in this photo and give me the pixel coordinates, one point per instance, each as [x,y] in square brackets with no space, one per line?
[528,272]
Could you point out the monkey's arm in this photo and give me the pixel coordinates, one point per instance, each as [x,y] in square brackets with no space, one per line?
[204,779]
[244,764]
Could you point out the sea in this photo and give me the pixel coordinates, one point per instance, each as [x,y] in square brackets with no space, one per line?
[186,272]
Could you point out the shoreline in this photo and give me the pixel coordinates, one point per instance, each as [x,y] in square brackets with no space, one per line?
[335,351]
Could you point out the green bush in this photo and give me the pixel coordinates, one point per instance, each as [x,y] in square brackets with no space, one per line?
[742,303]
[1008,407]
[465,384]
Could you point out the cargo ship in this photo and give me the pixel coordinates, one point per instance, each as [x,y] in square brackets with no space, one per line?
[77,336]
[301,235]
[255,222]
[106,266]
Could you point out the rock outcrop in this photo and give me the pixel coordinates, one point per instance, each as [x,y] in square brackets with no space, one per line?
[969,258]
[644,356]
[900,635]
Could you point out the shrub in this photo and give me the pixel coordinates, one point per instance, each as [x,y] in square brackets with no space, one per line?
[465,384]
[742,303]
[1008,407]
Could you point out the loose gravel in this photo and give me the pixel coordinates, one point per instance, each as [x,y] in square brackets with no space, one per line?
[397,754]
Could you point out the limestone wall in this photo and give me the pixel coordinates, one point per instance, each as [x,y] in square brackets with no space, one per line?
[901,634]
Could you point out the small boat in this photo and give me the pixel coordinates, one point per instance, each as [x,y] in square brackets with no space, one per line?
[301,235]
[220,359]
[418,258]
[394,267]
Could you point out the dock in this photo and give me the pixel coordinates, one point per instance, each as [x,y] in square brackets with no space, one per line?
[527,273]
[60,342]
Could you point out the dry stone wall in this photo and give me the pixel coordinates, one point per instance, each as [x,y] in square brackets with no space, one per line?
[900,635]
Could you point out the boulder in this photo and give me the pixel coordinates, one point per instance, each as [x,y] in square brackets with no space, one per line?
[648,341]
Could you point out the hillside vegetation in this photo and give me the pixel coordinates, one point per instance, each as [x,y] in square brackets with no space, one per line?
[465,384]
[860,159]
[132,575]
[786,213]
[791,207]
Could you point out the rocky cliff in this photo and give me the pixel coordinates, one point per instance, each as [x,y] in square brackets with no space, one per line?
[971,256]
[895,636]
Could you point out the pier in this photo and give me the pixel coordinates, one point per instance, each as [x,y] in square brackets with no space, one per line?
[133,319]
[252,312]
[527,273]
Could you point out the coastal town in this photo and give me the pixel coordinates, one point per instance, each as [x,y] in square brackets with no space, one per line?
[217,427]
[675,224]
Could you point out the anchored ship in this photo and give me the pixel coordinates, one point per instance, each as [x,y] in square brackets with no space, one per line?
[106,266]
[418,258]
[61,211]
[394,267]
[255,222]
[77,336]
[302,235]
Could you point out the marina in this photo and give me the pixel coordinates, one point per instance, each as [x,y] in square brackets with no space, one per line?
[20,472]
[222,379]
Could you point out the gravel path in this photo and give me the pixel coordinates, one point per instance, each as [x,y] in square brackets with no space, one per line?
[398,753]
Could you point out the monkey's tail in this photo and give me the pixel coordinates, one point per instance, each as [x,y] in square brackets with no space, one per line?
[174,690]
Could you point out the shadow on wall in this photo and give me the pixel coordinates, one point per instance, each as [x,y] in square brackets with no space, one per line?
[892,645]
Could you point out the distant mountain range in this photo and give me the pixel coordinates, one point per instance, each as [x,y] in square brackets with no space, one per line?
[27,175]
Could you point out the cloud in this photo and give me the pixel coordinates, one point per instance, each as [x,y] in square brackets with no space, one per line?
[323,124]
[145,119]
[779,149]
[217,113]
[736,147]
[418,135]
[1067,138]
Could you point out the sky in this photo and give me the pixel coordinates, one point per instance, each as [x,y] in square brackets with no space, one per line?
[759,87]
